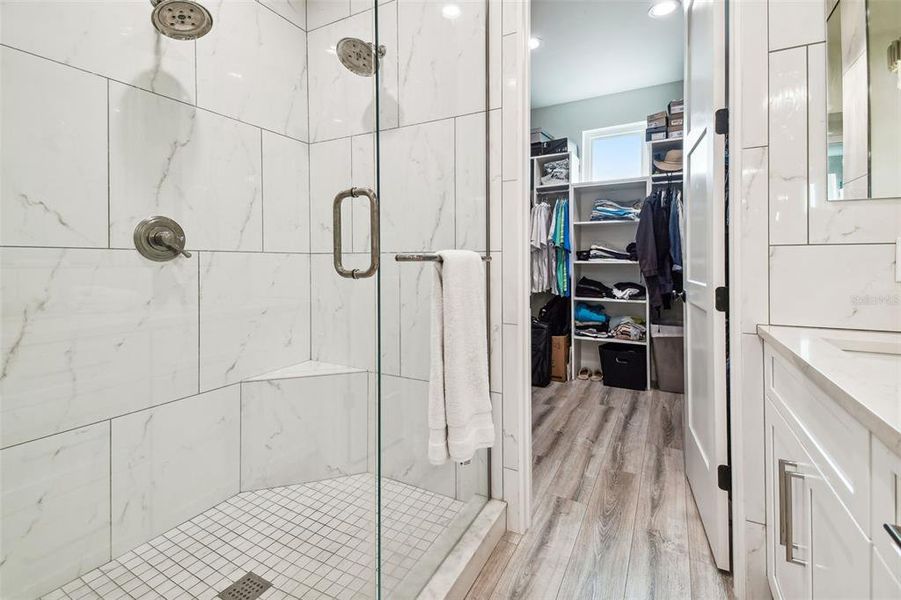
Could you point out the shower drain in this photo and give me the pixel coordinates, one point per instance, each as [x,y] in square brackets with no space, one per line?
[249,587]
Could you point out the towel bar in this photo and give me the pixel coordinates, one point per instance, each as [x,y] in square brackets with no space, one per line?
[423,258]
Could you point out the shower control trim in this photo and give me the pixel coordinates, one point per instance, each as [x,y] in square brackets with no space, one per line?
[160,239]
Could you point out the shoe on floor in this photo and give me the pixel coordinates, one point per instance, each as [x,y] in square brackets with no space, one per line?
[584,374]
[596,376]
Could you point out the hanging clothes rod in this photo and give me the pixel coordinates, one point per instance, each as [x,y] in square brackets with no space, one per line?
[424,258]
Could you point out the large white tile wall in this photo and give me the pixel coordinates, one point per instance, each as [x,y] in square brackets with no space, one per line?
[107,439]
[244,137]
[802,260]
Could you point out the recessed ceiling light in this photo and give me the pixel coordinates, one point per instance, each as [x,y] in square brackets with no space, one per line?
[661,8]
[534,43]
[450,11]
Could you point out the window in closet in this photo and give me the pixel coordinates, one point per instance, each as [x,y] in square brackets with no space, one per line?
[616,152]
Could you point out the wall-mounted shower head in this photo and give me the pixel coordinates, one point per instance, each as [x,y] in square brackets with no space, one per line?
[360,58]
[181,19]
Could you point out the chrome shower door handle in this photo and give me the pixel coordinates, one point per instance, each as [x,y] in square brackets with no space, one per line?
[374,246]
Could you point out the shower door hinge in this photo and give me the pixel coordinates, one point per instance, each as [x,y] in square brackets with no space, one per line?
[721,119]
[721,299]
[724,477]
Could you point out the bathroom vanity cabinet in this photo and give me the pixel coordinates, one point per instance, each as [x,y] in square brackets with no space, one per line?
[833,466]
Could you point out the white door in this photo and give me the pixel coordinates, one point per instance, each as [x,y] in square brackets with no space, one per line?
[704,247]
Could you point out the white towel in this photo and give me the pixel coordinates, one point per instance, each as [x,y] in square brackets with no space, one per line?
[459,400]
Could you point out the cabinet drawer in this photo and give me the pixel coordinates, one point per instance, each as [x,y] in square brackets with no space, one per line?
[886,503]
[885,583]
[836,442]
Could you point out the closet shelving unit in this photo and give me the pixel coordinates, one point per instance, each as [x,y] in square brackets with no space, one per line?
[583,233]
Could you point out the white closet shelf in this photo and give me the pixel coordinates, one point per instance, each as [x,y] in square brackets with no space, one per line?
[610,340]
[610,222]
[615,184]
[550,186]
[606,261]
[612,300]
[667,144]
[551,156]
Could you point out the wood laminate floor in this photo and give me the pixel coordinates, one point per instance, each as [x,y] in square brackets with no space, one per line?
[614,516]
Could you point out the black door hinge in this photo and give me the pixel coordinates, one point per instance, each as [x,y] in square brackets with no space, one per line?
[721,298]
[724,477]
[722,121]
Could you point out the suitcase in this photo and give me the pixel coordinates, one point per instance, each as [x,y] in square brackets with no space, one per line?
[541,353]
[551,147]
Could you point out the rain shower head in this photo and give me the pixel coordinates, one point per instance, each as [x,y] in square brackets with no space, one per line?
[359,57]
[181,19]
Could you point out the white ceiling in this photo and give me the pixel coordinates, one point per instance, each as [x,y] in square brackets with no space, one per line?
[598,47]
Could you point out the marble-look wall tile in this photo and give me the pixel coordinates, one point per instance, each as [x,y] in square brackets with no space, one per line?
[840,286]
[113,39]
[293,10]
[343,314]
[754,274]
[514,501]
[254,314]
[495,318]
[495,52]
[512,15]
[442,59]
[343,103]
[471,187]
[514,283]
[45,131]
[322,12]
[390,306]
[512,136]
[752,426]
[816,127]
[418,187]
[405,436]
[286,194]
[756,584]
[415,320]
[795,23]
[253,67]
[171,463]
[304,429]
[496,190]
[90,334]
[753,74]
[511,413]
[496,471]
[329,174]
[362,175]
[788,147]
[55,511]
[859,221]
[201,169]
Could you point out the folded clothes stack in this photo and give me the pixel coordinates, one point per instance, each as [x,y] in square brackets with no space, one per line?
[590,288]
[591,321]
[556,171]
[607,210]
[623,290]
[627,290]
[606,251]
[627,328]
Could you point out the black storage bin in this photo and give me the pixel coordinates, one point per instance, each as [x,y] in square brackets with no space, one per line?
[624,366]
[551,147]
[541,353]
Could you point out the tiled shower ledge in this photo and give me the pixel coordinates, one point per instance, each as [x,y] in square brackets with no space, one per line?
[314,540]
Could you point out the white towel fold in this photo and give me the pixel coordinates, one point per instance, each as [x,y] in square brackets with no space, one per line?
[459,399]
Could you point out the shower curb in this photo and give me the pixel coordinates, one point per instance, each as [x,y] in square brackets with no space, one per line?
[459,570]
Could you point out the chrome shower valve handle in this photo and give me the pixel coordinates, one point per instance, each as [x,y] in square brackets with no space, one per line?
[160,239]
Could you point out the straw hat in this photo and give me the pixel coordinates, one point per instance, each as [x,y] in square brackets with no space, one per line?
[672,161]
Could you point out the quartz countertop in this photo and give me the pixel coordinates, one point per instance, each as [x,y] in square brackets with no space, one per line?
[860,370]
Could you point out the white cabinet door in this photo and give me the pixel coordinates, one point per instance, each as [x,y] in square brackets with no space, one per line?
[840,551]
[706,445]
[886,585]
[788,510]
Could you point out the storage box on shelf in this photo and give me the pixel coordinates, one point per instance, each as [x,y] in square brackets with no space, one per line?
[618,233]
